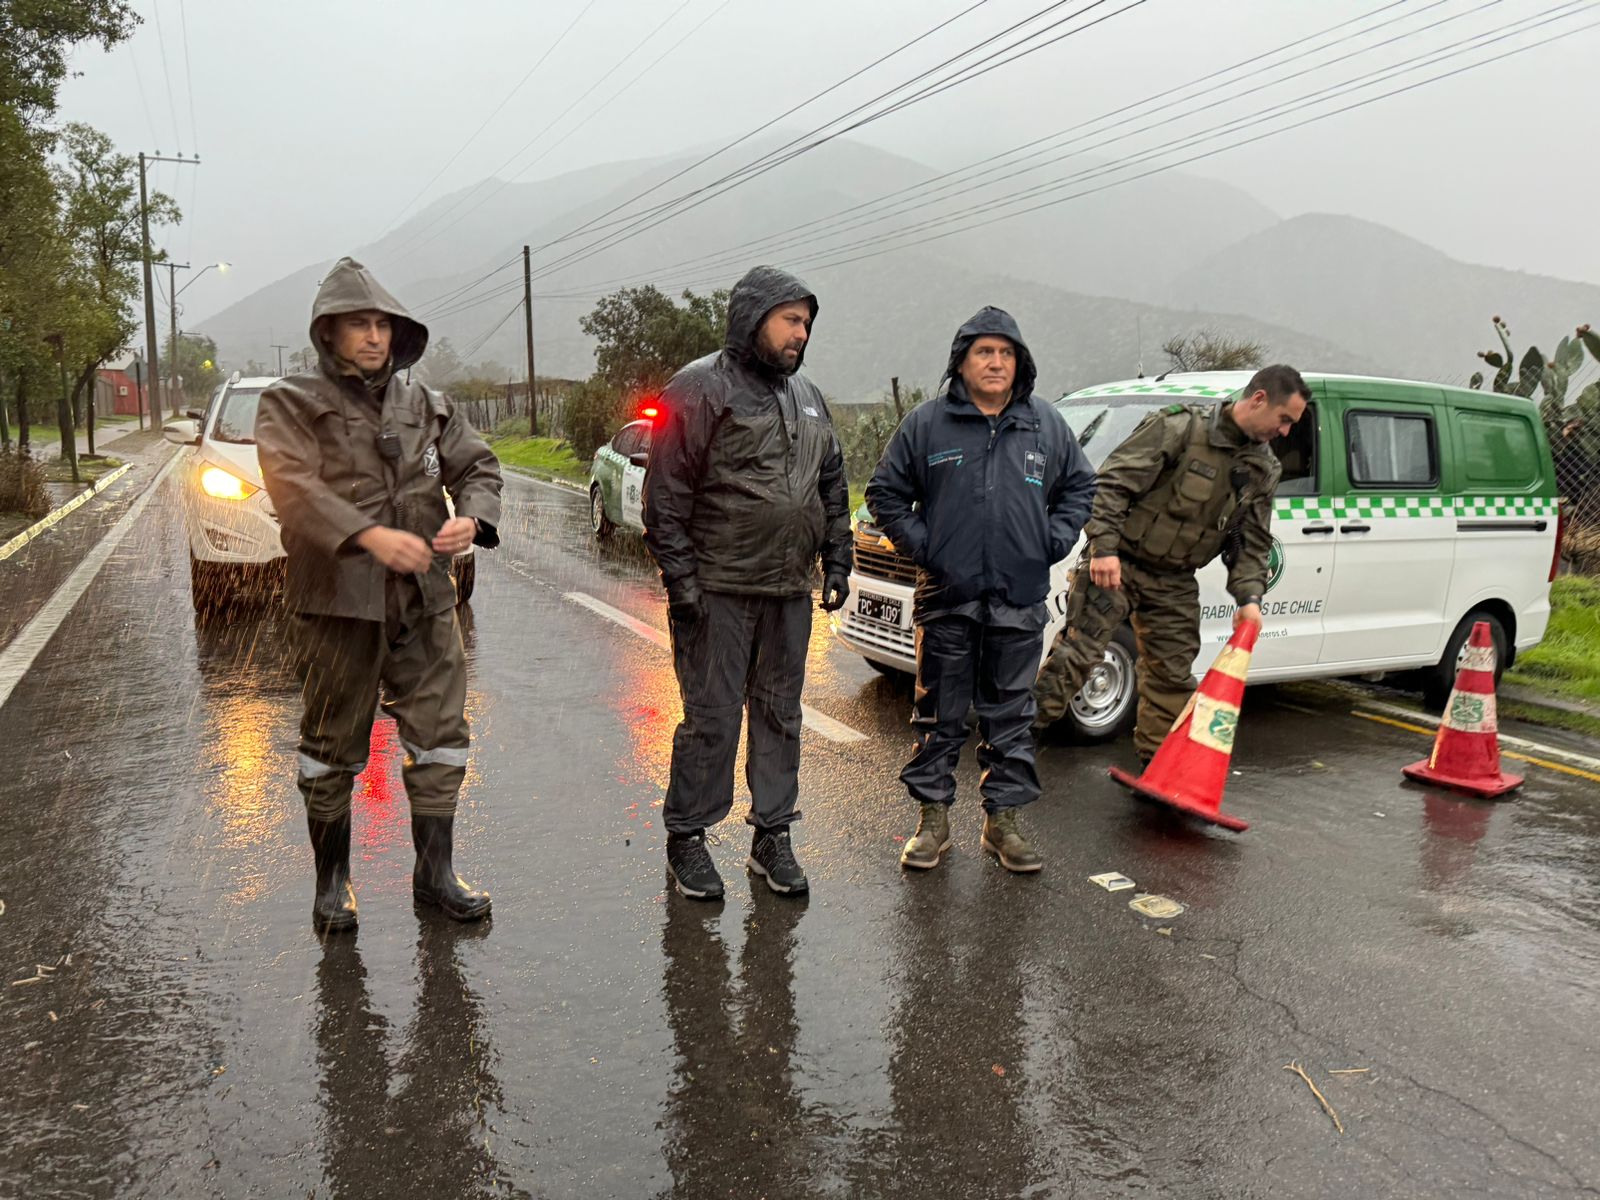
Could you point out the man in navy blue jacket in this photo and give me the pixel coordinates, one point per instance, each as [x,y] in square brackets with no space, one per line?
[984,488]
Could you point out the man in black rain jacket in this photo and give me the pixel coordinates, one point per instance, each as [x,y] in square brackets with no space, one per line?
[745,488]
[984,488]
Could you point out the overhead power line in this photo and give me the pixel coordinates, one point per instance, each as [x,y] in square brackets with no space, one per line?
[432,230]
[642,222]
[903,201]
[506,99]
[963,220]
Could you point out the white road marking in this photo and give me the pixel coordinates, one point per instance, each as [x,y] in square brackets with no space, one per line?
[17,658]
[834,731]
[1506,739]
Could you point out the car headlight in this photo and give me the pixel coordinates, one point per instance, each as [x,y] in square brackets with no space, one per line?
[225,485]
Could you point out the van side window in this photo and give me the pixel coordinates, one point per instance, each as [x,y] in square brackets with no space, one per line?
[1389,449]
[1499,452]
[1297,454]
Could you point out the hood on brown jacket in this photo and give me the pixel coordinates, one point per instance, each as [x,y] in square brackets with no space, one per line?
[350,287]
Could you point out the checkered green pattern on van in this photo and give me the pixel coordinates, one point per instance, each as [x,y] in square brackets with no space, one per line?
[1156,389]
[1340,508]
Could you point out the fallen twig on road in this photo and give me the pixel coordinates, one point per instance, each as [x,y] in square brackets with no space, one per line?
[1348,1070]
[1321,1099]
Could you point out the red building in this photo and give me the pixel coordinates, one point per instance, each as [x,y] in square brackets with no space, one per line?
[118,390]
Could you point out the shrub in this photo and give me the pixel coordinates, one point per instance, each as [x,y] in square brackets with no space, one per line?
[22,485]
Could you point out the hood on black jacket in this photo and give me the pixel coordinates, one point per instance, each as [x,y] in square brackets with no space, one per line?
[993,322]
[760,291]
[350,287]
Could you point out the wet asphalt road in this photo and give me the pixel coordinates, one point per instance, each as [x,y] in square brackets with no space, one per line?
[958,1034]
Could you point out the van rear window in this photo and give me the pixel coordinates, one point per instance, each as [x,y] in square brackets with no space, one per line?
[1499,452]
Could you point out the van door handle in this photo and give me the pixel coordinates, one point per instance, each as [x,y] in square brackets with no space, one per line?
[1308,530]
[1355,528]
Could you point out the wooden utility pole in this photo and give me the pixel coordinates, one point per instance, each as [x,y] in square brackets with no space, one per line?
[280,350]
[153,365]
[527,314]
[894,388]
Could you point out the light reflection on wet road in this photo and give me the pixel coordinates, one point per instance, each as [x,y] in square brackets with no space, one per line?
[960,1034]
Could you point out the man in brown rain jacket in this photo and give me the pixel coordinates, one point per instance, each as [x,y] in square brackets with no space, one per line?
[357,459]
[1167,500]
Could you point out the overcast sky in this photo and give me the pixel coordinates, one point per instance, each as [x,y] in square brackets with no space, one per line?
[318,122]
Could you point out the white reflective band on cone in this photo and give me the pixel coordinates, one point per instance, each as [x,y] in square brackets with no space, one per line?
[1472,712]
[1478,658]
[1233,662]
[1214,724]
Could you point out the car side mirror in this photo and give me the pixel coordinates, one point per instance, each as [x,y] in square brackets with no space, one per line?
[639,460]
[182,432]
[195,414]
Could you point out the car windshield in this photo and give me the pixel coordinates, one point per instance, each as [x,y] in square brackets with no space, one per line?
[236,419]
[1102,423]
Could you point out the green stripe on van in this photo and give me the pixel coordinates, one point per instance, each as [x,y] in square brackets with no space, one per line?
[1339,508]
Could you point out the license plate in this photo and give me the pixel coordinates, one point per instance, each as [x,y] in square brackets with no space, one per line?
[879,608]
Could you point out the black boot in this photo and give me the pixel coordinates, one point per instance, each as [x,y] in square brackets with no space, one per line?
[434,881]
[334,908]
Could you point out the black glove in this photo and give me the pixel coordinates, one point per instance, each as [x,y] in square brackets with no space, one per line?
[685,604]
[835,591]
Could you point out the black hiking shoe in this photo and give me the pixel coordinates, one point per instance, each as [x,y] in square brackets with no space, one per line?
[691,867]
[434,881]
[333,909]
[772,858]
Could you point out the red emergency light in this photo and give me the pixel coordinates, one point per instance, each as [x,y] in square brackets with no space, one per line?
[650,412]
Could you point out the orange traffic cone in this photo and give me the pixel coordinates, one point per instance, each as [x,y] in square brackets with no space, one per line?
[1466,752]
[1190,769]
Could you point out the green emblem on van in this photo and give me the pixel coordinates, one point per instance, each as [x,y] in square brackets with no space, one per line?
[1274,564]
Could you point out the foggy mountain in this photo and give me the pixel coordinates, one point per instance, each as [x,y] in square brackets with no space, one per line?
[1398,299]
[1097,283]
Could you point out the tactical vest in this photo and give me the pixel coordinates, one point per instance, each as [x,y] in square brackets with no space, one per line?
[1182,521]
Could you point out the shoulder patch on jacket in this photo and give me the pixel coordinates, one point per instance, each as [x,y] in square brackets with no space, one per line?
[1174,409]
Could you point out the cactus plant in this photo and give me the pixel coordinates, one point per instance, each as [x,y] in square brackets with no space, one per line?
[1535,373]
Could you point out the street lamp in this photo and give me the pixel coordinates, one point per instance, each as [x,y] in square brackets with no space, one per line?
[173,292]
[220,266]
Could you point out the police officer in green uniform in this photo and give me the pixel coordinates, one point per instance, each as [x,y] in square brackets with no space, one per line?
[357,459]
[1189,483]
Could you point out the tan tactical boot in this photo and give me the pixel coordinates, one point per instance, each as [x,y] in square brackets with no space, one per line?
[931,839]
[1004,840]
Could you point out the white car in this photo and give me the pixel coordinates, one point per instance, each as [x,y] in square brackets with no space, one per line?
[234,542]
[1406,513]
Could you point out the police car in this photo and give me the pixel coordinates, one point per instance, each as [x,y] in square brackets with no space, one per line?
[234,541]
[1406,512]
[616,478]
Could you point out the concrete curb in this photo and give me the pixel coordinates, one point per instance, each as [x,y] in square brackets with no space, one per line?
[541,477]
[44,523]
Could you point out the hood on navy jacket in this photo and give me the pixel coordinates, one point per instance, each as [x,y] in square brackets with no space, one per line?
[760,291]
[989,321]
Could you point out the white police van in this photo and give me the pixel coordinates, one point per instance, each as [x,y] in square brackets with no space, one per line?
[1406,512]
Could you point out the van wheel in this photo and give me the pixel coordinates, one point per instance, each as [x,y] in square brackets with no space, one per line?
[1438,681]
[598,521]
[465,570]
[1107,705]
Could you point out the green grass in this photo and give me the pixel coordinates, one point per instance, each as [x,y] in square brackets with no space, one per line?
[1567,662]
[57,470]
[549,457]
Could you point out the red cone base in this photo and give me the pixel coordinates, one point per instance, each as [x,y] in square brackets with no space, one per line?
[1184,804]
[1190,770]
